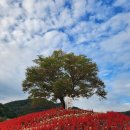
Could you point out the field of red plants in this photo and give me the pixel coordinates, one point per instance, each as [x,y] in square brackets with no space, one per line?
[60,119]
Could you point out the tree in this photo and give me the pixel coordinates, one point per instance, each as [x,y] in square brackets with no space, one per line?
[63,73]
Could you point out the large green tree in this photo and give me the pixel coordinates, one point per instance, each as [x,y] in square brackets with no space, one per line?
[63,73]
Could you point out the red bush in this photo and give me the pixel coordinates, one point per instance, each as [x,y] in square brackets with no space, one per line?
[60,119]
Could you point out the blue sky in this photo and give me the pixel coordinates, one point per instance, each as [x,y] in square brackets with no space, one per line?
[99,29]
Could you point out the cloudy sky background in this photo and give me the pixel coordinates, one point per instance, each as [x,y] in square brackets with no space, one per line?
[99,29]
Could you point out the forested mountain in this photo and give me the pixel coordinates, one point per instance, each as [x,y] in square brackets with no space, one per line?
[22,107]
[126,113]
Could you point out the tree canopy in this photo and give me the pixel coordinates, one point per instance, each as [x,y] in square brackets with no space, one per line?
[63,73]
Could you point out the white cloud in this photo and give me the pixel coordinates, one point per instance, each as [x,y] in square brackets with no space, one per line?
[31,27]
[65,18]
[29,5]
[3,2]
[121,85]
[79,8]
[120,2]
[122,36]
[6,22]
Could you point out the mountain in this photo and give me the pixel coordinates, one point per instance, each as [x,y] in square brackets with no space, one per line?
[126,113]
[22,107]
[3,111]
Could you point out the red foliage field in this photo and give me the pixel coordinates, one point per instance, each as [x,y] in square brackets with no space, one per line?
[60,119]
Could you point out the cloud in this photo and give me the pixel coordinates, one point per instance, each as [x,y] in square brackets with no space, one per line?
[98,29]
[78,8]
[13,61]
[117,98]
[101,106]
[123,4]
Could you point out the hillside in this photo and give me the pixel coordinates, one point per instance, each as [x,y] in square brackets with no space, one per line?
[3,111]
[127,113]
[22,107]
[72,119]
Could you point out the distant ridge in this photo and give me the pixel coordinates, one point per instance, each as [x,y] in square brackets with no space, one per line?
[21,107]
[126,113]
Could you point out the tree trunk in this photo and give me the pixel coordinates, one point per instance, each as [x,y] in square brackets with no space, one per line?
[62,102]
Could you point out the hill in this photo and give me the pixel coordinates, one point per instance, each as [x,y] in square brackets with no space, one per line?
[3,111]
[22,107]
[126,113]
[72,119]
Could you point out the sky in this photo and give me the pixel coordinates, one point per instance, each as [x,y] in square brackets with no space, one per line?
[99,29]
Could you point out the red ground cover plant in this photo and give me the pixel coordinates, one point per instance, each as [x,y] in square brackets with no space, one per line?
[60,119]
